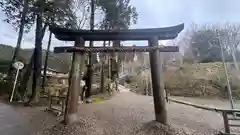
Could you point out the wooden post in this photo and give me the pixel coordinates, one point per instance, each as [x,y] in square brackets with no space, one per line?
[226,124]
[103,60]
[157,85]
[102,78]
[74,88]
[109,63]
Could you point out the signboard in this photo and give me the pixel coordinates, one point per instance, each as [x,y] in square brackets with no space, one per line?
[18,65]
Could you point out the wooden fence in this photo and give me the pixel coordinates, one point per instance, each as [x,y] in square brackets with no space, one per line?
[227,114]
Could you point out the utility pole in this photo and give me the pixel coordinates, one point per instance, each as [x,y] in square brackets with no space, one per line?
[229,90]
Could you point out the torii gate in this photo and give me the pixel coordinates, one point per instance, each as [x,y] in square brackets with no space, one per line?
[79,49]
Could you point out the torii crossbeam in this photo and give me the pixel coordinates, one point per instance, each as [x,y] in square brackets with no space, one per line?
[79,49]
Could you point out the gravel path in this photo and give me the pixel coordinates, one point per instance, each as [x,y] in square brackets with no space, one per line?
[9,120]
[129,114]
[19,120]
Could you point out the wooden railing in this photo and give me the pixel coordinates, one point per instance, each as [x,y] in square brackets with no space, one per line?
[227,114]
[230,115]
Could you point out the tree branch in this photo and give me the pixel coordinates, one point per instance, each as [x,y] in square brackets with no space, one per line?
[46,24]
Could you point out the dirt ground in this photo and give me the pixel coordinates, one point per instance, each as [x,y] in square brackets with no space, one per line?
[128,113]
[124,114]
[19,120]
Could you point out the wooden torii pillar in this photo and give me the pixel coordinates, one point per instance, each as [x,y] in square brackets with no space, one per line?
[80,36]
[74,88]
[157,83]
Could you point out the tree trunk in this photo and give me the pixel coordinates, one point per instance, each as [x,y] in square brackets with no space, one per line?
[36,73]
[20,35]
[25,78]
[114,63]
[90,69]
[46,61]
[37,64]
[47,53]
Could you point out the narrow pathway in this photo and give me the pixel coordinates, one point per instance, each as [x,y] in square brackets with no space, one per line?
[131,109]
[128,114]
[124,114]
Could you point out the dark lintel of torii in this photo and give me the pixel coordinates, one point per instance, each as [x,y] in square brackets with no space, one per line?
[130,34]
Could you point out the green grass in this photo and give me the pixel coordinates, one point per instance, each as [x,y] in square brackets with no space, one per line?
[97,99]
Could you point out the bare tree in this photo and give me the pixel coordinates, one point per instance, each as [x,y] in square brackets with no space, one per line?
[185,42]
[82,12]
[232,40]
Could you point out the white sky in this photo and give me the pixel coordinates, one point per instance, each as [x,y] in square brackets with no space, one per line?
[152,14]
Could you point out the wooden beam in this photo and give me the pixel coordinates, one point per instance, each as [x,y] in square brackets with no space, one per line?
[74,88]
[116,49]
[58,30]
[157,84]
[106,35]
[165,36]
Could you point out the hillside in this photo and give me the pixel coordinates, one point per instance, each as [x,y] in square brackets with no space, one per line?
[198,80]
[59,62]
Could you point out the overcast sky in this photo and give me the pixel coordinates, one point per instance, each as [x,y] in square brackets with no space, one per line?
[152,14]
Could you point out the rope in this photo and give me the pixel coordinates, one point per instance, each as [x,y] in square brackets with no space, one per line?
[116,49]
